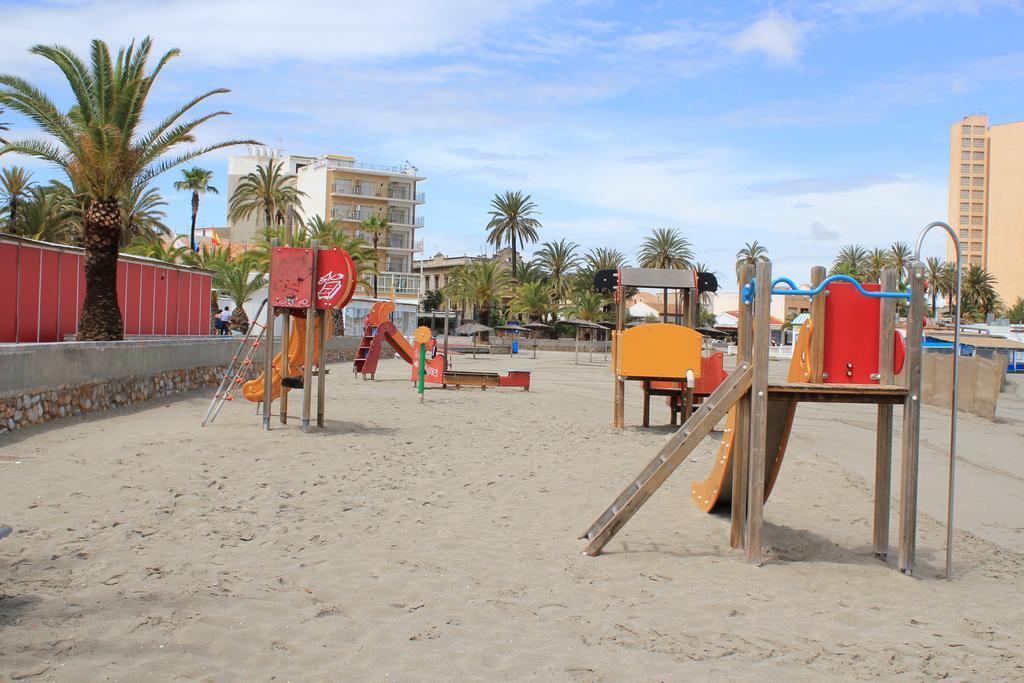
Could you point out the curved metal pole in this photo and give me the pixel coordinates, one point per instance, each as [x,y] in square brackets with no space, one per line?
[956,378]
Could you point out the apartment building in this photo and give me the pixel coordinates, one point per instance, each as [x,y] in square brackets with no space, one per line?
[986,202]
[343,188]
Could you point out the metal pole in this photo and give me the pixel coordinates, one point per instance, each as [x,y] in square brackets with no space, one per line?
[268,332]
[307,365]
[950,496]
[447,305]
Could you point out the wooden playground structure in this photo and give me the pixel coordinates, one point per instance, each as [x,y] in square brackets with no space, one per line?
[305,284]
[847,352]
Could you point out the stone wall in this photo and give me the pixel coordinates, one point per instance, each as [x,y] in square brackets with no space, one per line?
[43,382]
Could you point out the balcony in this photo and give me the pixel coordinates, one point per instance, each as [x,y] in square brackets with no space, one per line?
[360,215]
[355,190]
[403,284]
[403,219]
[398,242]
[405,195]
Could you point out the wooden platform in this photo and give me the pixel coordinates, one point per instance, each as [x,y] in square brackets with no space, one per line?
[883,394]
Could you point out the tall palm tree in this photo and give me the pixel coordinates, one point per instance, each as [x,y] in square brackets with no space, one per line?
[210,257]
[15,185]
[142,214]
[1016,312]
[239,279]
[99,145]
[377,225]
[197,181]
[558,259]
[604,258]
[900,256]
[667,249]
[532,299]
[750,254]
[933,270]
[979,290]
[530,271]
[47,215]
[512,220]
[877,260]
[852,260]
[268,192]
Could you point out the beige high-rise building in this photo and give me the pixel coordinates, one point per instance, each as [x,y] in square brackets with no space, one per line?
[986,199]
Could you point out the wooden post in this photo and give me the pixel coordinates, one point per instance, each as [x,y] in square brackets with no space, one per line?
[911,422]
[741,425]
[619,409]
[883,434]
[817,352]
[577,345]
[692,307]
[307,366]
[758,410]
[326,318]
[268,350]
[647,403]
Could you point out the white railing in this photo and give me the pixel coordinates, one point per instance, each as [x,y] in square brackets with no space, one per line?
[773,351]
[401,283]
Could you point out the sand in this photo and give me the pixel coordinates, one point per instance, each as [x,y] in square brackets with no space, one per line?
[438,542]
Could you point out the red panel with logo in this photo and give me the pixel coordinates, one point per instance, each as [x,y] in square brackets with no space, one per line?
[335,278]
[291,272]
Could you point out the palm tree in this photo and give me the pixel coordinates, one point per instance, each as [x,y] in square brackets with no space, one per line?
[142,214]
[587,306]
[197,181]
[377,225]
[482,283]
[558,260]
[1016,312]
[979,291]
[209,257]
[239,279]
[100,146]
[604,258]
[268,192]
[877,260]
[900,257]
[665,248]
[48,216]
[152,246]
[530,271]
[15,184]
[852,260]
[934,268]
[532,299]
[512,219]
[750,254]
[3,127]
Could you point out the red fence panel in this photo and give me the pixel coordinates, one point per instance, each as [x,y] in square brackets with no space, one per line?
[42,288]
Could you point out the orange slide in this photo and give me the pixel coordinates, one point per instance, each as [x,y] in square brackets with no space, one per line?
[253,389]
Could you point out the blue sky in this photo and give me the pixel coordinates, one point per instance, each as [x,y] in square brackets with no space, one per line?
[802,125]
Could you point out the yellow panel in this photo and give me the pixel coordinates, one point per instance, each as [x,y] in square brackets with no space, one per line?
[659,350]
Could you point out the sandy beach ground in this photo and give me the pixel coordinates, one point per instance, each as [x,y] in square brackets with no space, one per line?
[438,542]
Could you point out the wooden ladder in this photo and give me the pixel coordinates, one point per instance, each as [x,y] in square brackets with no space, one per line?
[672,454]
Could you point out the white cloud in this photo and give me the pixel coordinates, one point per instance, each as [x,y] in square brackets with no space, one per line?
[773,35]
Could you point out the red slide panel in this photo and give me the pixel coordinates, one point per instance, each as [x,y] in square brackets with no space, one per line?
[9,287]
[28,294]
[49,294]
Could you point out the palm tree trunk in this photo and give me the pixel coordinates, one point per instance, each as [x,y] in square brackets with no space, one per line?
[101,314]
[515,273]
[195,212]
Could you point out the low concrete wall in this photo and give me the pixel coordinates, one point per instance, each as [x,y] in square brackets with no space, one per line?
[980,381]
[42,382]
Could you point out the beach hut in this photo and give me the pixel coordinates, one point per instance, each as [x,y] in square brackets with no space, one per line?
[579,324]
[473,329]
[534,327]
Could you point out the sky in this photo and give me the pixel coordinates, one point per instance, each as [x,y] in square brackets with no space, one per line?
[804,126]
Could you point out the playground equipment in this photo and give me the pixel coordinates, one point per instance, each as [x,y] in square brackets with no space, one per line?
[847,352]
[379,330]
[305,284]
[665,358]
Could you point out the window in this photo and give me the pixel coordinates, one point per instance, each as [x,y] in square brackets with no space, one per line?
[343,187]
[965,181]
[979,142]
[965,142]
[965,168]
[978,168]
[964,206]
[975,260]
[977,194]
[964,234]
[964,220]
[977,220]
[965,130]
[978,156]
[977,234]
[965,156]
[965,194]
[977,208]
[978,130]
[978,182]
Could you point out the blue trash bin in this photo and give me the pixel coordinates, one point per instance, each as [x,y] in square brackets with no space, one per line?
[515,346]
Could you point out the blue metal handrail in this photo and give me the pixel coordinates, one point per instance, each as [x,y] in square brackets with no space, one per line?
[793,290]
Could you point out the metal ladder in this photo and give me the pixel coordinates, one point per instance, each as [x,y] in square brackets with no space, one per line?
[240,366]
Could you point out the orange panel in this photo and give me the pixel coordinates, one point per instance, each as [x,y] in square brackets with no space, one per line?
[659,350]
